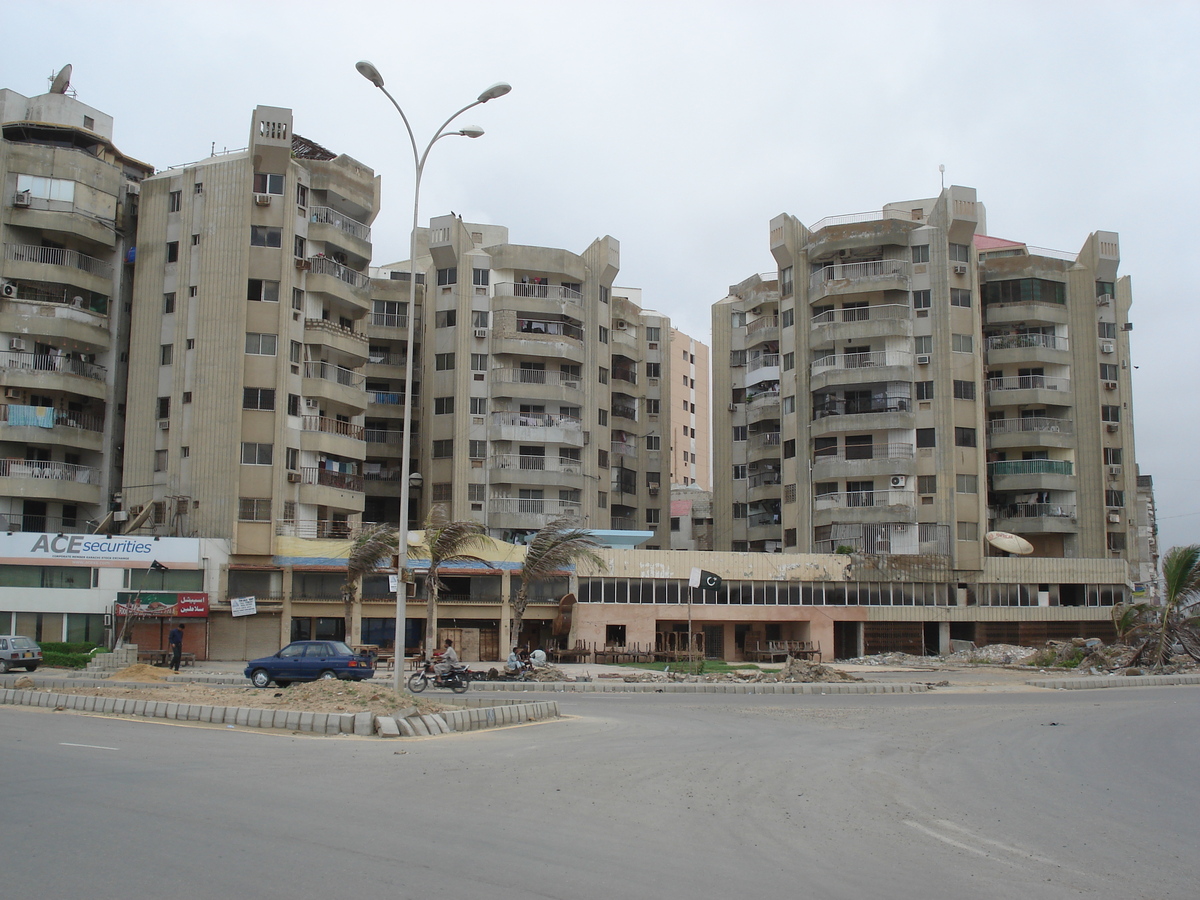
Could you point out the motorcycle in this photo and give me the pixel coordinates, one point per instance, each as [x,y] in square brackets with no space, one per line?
[457,678]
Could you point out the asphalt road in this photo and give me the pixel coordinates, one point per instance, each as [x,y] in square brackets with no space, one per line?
[1032,795]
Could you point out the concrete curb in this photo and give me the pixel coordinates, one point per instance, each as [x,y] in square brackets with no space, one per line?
[1096,682]
[362,723]
[720,687]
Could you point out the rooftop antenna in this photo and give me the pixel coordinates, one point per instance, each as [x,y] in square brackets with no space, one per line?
[62,80]
[942,172]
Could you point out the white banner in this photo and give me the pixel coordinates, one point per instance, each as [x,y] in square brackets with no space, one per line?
[32,548]
[243,606]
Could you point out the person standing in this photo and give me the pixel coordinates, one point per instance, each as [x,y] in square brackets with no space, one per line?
[175,642]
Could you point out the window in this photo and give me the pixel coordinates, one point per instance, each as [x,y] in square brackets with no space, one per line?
[193,291]
[964,390]
[293,404]
[926,437]
[1112,456]
[653,333]
[920,253]
[265,291]
[602,459]
[964,437]
[443,406]
[477,449]
[674,523]
[685,381]
[443,449]
[164,407]
[786,281]
[1114,499]
[739,510]
[446,318]
[258,398]
[789,449]
[195,240]
[966,484]
[198,187]
[479,277]
[443,362]
[297,351]
[185,452]
[297,299]
[602,333]
[923,344]
[293,458]
[961,343]
[172,251]
[960,298]
[479,406]
[298,247]
[1116,541]
[1109,372]
[653,370]
[602,417]
[261,344]
[926,484]
[653,442]
[301,196]
[160,460]
[968,531]
[652,516]
[447,276]
[476,493]
[191,343]
[922,299]
[603,375]
[924,390]
[46,188]
[254,510]
[168,303]
[737,319]
[479,318]
[603,294]
[268,184]
[257,454]
[174,201]
[265,236]
[164,354]
[1025,290]
[602,499]
[789,405]
[789,493]
[187,396]
[960,253]
[652,407]
[1110,414]
[739,472]
[787,318]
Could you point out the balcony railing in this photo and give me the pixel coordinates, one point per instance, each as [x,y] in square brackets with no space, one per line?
[32,468]
[386,398]
[343,480]
[539,292]
[551,508]
[873,270]
[623,523]
[1033,511]
[57,256]
[768,438]
[323,265]
[1021,341]
[1031,467]
[864,451]
[861,499]
[764,479]
[838,406]
[386,359]
[333,328]
[877,215]
[323,215]
[624,448]
[881,312]
[766,360]
[390,320]
[762,400]
[537,420]
[754,520]
[330,372]
[535,376]
[316,528]
[381,436]
[326,425]
[543,327]
[45,417]
[384,475]
[1028,383]
[625,412]
[18,521]
[515,462]
[623,374]
[762,323]
[47,362]
[862,360]
[1031,424]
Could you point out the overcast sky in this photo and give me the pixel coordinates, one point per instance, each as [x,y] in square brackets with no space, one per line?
[681,128]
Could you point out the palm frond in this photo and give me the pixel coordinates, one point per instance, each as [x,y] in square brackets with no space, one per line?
[375,545]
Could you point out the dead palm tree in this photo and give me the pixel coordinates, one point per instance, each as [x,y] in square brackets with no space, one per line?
[555,548]
[374,546]
[1177,620]
[444,542]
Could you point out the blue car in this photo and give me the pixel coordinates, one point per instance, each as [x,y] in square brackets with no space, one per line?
[309,661]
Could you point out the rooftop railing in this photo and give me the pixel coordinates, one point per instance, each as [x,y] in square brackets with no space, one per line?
[876,215]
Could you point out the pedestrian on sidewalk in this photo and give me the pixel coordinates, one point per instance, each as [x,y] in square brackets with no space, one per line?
[175,642]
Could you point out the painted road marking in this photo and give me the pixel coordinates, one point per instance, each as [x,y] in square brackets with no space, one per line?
[88,746]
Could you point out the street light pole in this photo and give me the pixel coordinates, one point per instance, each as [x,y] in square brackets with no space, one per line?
[369,72]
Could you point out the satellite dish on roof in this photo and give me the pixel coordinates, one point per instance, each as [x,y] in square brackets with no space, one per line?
[1009,543]
[62,80]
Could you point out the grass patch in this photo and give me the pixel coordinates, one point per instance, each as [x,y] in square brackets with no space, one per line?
[63,655]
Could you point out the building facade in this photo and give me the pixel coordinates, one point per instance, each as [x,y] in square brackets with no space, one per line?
[691,440]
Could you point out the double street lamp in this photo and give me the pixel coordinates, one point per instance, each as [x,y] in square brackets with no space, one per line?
[369,72]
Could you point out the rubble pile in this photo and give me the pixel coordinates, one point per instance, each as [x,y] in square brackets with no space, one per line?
[793,671]
[551,673]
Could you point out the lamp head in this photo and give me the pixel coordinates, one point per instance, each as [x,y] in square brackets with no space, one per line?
[368,71]
[499,89]
[471,131]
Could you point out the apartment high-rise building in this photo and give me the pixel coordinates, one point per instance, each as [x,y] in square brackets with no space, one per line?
[66,222]
[909,384]
[691,442]
[246,388]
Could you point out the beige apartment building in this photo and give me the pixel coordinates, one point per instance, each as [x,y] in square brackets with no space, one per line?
[67,213]
[908,383]
[691,441]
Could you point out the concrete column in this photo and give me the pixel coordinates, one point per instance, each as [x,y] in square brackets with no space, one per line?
[943,638]
[505,613]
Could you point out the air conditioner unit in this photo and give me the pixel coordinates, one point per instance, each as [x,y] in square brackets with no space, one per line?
[312,404]
[1104,300]
[12,393]
[1110,385]
[16,344]
[922,359]
[164,424]
[133,188]
[120,515]
[480,332]
[620,325]
[1106,348]
[898,481]
[302,263]
[24,199]
[293,477]
[8,289]
[1112,428]
[262,199]
[960,270]
[732,407]
[652,345]
[653,490]
[1114,518]
[1114,471]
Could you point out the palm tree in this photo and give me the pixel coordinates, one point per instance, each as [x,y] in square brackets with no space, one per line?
[375,545]
[1177,620]
[555,547]
[445,541]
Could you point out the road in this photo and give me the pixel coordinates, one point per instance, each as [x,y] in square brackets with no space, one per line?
[1031,795]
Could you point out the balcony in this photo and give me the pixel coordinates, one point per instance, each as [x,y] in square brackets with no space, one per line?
[335,280]
[628,375]
[53,363]
[627,449]
[512,512]
[555,465]
[863,460]
[50,480]
[765,361]
[877,403]
[553,292]
[1032,475]
[873,275]
[1029,390]
[341,480]
[57,256]
[864,499]
[764,328]
[624,411]
[51,426]
[385,398]
[1031,431]
[316,528]
[336,384]
[336,427]
[324,215]
[1021,341]
[1034,518]
[862,323]
[389,320]
[534,377]
[336,337]
[330,372]
[542,428]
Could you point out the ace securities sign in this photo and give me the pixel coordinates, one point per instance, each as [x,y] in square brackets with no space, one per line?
[32,548]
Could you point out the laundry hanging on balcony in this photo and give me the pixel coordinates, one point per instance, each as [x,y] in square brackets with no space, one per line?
[40,416]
